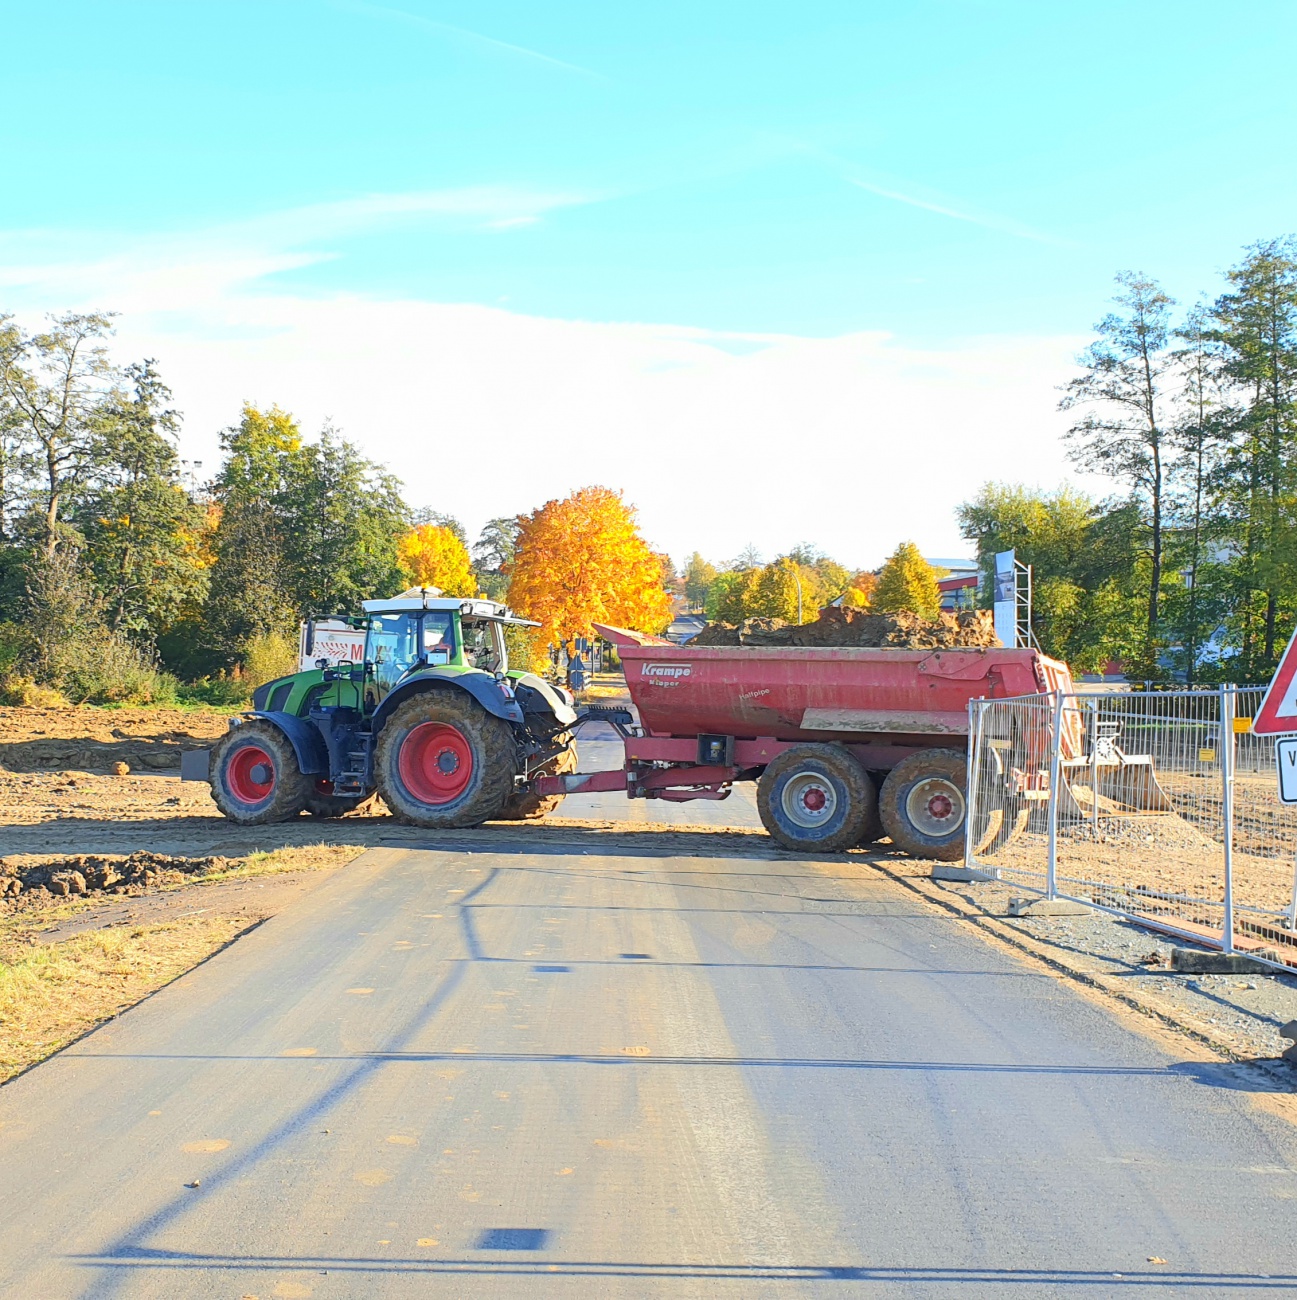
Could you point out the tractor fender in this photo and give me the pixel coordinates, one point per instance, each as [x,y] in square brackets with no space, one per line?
[484,688]
[308,744]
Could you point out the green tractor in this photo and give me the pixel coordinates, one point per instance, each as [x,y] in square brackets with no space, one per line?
[433,720]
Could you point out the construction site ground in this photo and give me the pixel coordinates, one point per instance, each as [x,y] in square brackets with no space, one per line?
[60,799]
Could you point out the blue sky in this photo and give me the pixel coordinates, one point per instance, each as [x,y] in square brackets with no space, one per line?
[951,185]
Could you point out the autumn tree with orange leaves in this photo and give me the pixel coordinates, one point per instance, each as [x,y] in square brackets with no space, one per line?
[583,560]
[435,557]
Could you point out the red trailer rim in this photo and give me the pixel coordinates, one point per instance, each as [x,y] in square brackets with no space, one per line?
[250,774]
[436,763]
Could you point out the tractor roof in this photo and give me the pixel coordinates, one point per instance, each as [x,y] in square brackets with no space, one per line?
[431,598]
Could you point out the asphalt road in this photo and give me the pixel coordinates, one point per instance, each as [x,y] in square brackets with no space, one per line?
[494,1073]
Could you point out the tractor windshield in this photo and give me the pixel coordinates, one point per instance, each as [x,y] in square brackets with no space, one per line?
[396,642]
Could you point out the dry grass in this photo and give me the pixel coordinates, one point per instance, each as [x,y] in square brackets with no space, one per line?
[297,857]
[52,994]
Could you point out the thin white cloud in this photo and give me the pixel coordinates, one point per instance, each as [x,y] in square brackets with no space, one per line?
[855,442]
[463,33]
[988,222]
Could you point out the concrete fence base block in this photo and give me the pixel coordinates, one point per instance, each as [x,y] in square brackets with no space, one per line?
[1290,1031]
[1195,961]
[967,874]
[1047,907]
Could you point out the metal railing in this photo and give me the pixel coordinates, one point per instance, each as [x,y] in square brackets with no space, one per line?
[1159,805]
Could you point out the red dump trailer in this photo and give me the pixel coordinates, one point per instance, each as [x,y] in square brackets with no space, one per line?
[846,744]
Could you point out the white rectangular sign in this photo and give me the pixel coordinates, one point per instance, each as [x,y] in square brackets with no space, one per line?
[1285,754]
[1006,598]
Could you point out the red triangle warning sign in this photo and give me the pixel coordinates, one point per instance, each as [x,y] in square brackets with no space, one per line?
[1278,711]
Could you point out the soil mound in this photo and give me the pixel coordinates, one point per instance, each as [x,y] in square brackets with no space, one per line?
[970,628]
[110,874]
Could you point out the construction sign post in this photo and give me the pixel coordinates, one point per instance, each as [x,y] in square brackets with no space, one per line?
[1278,712]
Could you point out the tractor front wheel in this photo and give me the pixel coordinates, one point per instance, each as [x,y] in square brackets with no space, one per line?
[255,776]
[443,761]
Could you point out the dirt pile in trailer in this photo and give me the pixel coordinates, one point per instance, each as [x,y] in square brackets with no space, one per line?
[970,628]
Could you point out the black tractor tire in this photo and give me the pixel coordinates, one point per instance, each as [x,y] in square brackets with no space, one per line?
[255,776]
[321,804]
[924,804]
[816,799]
[530,807]
[443,761]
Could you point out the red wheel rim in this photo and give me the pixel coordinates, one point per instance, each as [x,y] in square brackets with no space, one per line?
[244,772]
[436,763]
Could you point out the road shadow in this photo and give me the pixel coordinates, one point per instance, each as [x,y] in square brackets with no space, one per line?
[1268,1074]
[557,837]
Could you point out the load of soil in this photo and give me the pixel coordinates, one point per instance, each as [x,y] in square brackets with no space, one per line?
[103,873]
[903,630]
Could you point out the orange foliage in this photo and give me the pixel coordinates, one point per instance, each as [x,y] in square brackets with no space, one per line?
[581,561]
[435,557]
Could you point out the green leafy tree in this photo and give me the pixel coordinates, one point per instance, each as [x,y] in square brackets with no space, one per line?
[1256,327]
[729,596]
[53,386]
[907,581]
[1125,432]
[142,530]
[699,576]
[493,553]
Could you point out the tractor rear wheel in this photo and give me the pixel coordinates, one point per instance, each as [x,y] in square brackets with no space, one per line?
[529,806]
[923,804]
[443,761]
[255,776]
[816,798]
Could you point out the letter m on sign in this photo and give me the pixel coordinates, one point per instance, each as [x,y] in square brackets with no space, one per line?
[1278,712]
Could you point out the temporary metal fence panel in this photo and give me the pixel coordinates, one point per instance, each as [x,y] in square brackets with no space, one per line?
[1162,806]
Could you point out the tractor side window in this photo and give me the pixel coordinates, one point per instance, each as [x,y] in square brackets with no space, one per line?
[482,647]
[392,647]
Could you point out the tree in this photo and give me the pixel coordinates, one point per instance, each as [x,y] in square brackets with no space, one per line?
[907,581]
[699,576]
[435,557]
[426,515]
[583,560]
[860,590]
[1256,327]
[341,516]
[776,593]
[54,384]
[1125,434]
[748,558]
[730,596]
[496,543]
[250,584]
[142,530]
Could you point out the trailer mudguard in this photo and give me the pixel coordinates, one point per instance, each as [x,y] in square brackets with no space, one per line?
[308,744]
[484,688]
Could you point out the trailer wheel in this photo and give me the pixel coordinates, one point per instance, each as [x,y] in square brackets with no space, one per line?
[816,798]
[923,804]
[255,776]
[321,802]
[443,760]
[529,806]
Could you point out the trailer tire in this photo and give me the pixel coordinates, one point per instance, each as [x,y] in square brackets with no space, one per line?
[816,798]
[924,805]
[443,761]
[530,807]
[255,776]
